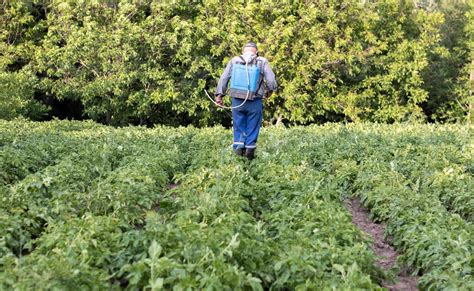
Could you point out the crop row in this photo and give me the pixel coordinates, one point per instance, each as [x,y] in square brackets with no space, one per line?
[102,175]
[99,214]
[422,188]
[225,226]
[418,180]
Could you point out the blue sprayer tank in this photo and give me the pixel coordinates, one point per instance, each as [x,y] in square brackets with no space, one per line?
[239,81]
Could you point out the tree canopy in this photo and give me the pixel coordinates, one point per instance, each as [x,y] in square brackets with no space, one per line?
[147,62]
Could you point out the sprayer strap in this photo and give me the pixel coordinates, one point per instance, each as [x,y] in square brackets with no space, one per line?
[261,75]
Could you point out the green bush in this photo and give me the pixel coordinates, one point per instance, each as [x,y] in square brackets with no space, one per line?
[147,62]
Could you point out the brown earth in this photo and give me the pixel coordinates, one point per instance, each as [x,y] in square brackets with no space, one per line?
[381,247]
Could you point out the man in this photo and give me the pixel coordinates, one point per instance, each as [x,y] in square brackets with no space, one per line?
[247,106]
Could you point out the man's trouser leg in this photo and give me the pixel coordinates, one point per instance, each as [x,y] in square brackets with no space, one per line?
[254,121]
[239,124]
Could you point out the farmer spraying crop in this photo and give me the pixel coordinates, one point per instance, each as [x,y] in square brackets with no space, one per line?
[248,75]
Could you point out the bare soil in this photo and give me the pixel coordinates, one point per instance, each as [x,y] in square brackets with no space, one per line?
[381,247]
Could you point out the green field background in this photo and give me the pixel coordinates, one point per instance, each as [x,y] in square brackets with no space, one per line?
[91,207]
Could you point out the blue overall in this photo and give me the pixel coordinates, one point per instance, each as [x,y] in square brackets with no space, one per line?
[247,121]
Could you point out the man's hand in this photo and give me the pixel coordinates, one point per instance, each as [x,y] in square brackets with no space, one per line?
[267,94]
[219,100]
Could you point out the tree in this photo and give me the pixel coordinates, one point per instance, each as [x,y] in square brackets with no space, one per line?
[20,29]
[146,62]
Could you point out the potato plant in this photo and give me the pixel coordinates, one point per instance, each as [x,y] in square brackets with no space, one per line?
[86,206]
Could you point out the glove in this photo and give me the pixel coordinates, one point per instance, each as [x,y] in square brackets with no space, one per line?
[267,94]
[219,100]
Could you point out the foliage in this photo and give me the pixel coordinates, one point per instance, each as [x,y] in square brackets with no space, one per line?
[100,213]
[146,62]
[447,76]
[19,37]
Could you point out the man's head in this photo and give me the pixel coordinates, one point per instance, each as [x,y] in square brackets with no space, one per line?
[250,47]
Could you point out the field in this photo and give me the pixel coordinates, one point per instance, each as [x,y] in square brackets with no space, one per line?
[86,206]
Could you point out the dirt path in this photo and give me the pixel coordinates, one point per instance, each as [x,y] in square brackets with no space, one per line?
[381,247]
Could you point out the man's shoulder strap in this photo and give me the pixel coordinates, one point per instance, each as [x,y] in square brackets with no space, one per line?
[255,61]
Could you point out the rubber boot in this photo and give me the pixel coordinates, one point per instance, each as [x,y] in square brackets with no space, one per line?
[239,151]
[250,153]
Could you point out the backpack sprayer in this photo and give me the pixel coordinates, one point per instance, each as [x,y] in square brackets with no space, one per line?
[238,87]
